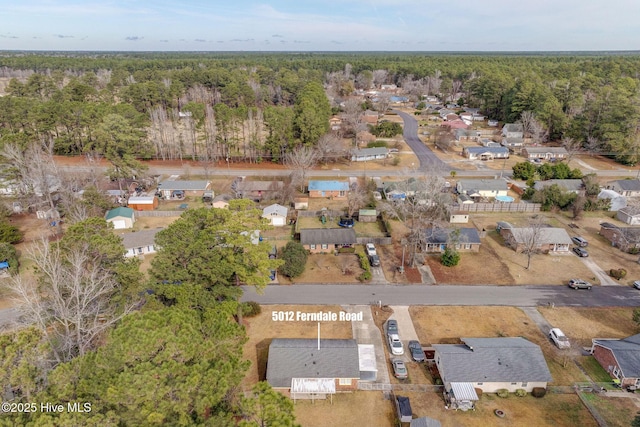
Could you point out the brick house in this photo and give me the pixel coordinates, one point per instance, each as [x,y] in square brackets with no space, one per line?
[624,238]
[620,358]
[335,189]
[549,240]
[464,239]
[325,240]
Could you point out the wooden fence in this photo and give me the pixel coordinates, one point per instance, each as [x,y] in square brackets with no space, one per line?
[496,207]
[157,213]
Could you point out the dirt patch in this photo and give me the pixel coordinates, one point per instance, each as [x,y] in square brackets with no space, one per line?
[328,268]
[262,329]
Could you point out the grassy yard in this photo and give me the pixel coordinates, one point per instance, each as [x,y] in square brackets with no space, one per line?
[593,369]
[616,411]
[328,268]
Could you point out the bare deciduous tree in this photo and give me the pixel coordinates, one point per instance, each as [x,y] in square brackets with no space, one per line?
[572,146]
[383,103]
[356,199]
[380,77]
[71,303]
[301,159]
[330,148]
[530,238]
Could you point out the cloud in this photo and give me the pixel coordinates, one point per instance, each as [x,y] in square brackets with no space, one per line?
[277,35]
[164,41]
[336,42]
[199,40]
[8,36]
[242,40]
[133,38]
[301,41]
[62,36]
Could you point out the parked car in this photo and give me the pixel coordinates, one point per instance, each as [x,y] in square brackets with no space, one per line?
[580,241]
[582,253]
[399,369]
[579,284]
[374,260]
[395,345]
[417,353]
[636,284]
[370,249]
[392,327]
[346,222]
[559,338]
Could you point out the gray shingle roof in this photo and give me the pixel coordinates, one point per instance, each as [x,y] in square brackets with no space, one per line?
[374,151]
[300,358]
[626,352]
[482,184]
[259,185]
[333,236]
[631,234]
[629,184]
[274,210]
[139,238]
[549,235]
[183,185]
[443,235]
[553,150]
[513,127]
[493,360]
[493,150]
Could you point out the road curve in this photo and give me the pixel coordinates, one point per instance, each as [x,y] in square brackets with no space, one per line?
[468,295]
[429,162]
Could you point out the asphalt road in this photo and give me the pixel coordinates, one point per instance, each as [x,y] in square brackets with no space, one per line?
[429,162]
[481,295]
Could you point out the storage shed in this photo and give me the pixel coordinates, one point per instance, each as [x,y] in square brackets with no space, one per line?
[143,203]
[121,218]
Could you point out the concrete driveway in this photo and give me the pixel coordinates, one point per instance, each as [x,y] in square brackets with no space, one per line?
[604,278]
[405,328]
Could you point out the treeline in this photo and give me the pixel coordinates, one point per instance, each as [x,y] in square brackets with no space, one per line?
[258,107]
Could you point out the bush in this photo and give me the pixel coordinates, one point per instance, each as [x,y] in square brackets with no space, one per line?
[617,274]
[375,144]
[364,263]
[503,392]
[346,250]
[521,392]
[250,309]
[295,259]
[538,392]
[395,161]
[450,257]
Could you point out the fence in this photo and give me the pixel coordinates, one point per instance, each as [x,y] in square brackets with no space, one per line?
[317,214]
[400,387]
[374,240]
[496,207]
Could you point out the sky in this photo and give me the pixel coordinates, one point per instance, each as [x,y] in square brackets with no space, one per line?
[328,25]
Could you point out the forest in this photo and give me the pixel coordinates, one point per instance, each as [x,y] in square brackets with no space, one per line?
[257,107]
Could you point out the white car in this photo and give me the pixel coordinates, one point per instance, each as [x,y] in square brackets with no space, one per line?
[395,345]
[559,338]
[371,249]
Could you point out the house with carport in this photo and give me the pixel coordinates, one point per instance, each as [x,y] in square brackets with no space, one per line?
[620,358]
[313,368]
[181,189]
[491,364]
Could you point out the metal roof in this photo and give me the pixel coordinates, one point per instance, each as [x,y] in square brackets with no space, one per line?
[328,186]
[333,236]
[119,212]
[492,360]
[464,391]
[141,200]
[183,185]
[300,358]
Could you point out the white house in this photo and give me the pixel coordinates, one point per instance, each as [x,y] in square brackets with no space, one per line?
[121,218]
[276,214]
[513,130]
[489,188]
[364,154]
[140,242]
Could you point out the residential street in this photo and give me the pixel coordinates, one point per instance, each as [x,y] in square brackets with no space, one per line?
[429,162]
[518,296]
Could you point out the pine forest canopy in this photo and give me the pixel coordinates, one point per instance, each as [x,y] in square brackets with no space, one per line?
[259,106]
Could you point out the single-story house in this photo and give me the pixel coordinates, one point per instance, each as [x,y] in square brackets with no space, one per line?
[464,239]
[182,189]
[322,240]
[491,364]
[489,188]
[629,215]
[306,371]
[626,187]
[473,117]
[486,142]
[513,130]
[370,117]
[463,199]
[485,153]
[140,242]
[335,189]
[276,214]
[335,123]
[620,358]
[444,112]
[546,153]
[492,123]
[221,201]
[465,135]
[259,190]
[624,238]
[143,203]
[454,123]
[549,239]
[365,154]
[571,185]
[513,144]
[400,190]
[367,215]
[121,218]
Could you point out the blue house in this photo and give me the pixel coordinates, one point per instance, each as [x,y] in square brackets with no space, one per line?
[336,189]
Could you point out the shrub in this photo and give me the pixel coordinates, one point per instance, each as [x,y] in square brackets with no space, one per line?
[295,259]
[375,144]
[346,250]
[395,161]
[250,309]
[618,274]
[538,392]
[364,263]
[521,392]
[503,392]
[450,257]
